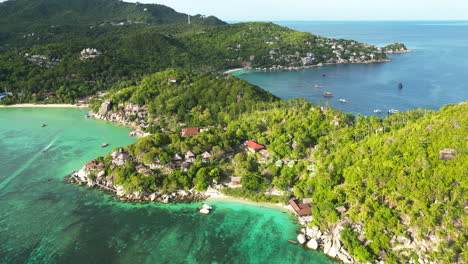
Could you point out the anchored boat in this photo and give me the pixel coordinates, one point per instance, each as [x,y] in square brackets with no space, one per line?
[327,94]
[343,101]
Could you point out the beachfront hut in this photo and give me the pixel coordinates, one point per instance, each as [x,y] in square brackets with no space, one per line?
[312,174]
[234,181]
[172,80]
[301,209]
[291,164]
[279,163]
[312,167]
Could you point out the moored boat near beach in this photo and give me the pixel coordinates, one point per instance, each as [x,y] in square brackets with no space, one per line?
[327,94]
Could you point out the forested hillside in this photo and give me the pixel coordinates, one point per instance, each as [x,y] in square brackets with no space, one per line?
[61,51]
[402,177]
[19,16]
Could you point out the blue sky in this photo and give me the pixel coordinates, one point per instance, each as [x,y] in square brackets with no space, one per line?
[271,10]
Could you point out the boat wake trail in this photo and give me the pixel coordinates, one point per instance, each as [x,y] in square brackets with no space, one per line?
[27,163]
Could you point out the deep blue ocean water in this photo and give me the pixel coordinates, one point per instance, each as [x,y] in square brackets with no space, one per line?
[435,74]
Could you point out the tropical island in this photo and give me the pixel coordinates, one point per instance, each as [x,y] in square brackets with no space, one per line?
[367,189]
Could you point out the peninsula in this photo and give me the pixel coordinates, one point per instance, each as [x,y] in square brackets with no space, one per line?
[366,189]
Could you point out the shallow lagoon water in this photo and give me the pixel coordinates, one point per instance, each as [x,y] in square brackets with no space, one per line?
[43,219]
[435,74]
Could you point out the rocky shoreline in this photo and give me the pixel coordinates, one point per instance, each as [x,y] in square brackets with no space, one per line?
[328,240]
[82,177]
[314,238]
[297,68]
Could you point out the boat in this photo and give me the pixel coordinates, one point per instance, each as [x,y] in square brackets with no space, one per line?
[400,85]
[318,86]
[393,111]
[343,101]
[43,125]
[293,241]
[104,145]
[377,111]
[323,75]
[327,94]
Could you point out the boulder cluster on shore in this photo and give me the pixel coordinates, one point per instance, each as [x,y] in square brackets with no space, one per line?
[83,177]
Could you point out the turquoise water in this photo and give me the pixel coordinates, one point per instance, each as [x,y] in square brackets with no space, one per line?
[434,75]
[46,220]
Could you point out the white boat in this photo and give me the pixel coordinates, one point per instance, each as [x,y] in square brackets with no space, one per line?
[318,86]
[343,101]
[377,111]
[393,111]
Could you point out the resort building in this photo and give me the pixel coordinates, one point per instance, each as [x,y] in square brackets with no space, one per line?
[190,131]
[254,146]
[301,209]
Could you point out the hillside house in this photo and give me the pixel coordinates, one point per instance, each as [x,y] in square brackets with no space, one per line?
[93,165]
[190,131]
[189,156]
[206,156]
[253,146]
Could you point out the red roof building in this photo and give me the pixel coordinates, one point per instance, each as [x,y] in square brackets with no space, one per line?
[190,131]
[300,209]
[94,165]
[254,146]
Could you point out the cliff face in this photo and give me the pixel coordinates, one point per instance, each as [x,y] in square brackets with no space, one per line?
[127,114]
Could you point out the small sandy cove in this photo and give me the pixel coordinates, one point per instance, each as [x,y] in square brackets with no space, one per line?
[46,105]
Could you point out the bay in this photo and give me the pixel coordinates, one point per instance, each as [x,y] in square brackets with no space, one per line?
[435,74]
[44,219]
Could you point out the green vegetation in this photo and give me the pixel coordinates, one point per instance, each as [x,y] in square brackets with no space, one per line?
[354,246]
[385,171]
[41,44]
[195,99]
[395,48]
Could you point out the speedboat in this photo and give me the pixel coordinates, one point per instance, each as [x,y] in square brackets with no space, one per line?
[318,86]
[327,94]
[104,145]
[377,111]
[343,101]
[393,111]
